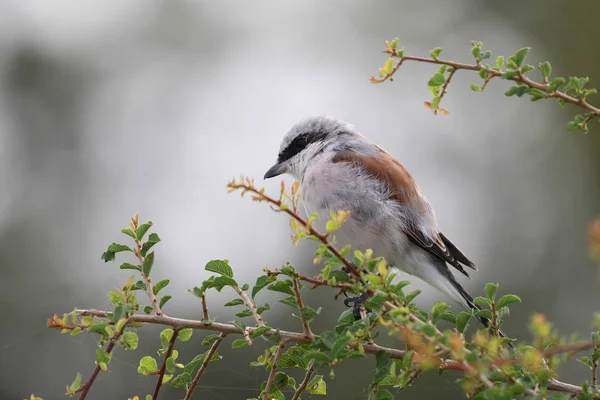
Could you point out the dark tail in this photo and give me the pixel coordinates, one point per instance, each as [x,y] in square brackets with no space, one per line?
[467,301]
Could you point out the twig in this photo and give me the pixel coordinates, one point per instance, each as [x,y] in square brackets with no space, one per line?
[205,314]
[305,326]
[109,348]
[271,378]
[163,368]
[410,380]
[209,356]
[250,304]
[492,73]
[305,381]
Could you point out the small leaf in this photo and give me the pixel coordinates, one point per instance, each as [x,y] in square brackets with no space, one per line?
[437,80]
[130,340]
[261,282]
[382,358]
[435,53]
[520,56]
[282,286]
[76,383]
[261,330]
[234,302]
[490,291]
[159,286]
[483,314]
[163,301]
[220,267]
[546,69]
[152,240]
[107,256]
[239,343]
[147,366]
[482,302]
[499,63]
[148,262]
[117,248]
[130,266]
[317,385]
[555,84]
[388,67]
[148,310]
[475,88]
[586,361]
[181,380]
[128,232]
[384,394]
[185,334]
[142,229]
[507,299]
[462,320]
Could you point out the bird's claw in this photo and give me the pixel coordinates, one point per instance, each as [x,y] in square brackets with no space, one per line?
[357,303]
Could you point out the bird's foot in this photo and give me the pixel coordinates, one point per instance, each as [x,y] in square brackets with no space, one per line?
[357,303]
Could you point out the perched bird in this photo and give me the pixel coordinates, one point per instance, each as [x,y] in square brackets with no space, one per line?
[339,169]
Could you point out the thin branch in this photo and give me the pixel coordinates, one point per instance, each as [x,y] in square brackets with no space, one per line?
[205,314]
[250,304]
[109,348]
[493,73]
[305,326]
[163,368]
[305,381]
[209,356]
[271,379]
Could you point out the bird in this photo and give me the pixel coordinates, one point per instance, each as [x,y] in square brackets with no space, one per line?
[340,169]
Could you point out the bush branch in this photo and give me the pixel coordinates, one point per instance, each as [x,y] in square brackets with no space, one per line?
[209,356]
[305,326]
[250,304]
[163,368]
[305,381]
[271,379]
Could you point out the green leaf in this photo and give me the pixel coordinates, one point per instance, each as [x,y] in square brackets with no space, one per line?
[388,67]
[199,359]
[130,340]
[483,314]
[142,229]
[98,328]
[435,102]
[546,69]
[181,380]
[210,339]
[148,262]
[282,286]
[317,356]
[147,366]
[346,317]
[384,395]
[166,378]
[490,290]
[499,63]
[128,232]
[520,56]
[152,240]
[234,302]
[185,334]
[317,385]
[435,53]
[117,248]
[107,256]
[159,286]
[411,296]
[244,313]
[261,282]
[163,301]
[76,383]
[165,338]
[586,361]
[119,312]
[239,343]
[555,84]
[261,330]
[435,83]
[475,88]
[130,266]
[506,300]
[339,345]
[291,361]
[148,310]
[220,267]
[482,302]
[382,358]
[462,320]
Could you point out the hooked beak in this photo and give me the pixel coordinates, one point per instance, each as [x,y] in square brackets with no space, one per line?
[276,170]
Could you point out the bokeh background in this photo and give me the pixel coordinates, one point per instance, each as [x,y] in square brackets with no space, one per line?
[116,107]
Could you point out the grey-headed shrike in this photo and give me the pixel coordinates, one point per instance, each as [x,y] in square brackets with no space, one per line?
[339,169]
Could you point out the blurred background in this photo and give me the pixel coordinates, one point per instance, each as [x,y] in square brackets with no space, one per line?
[112,108]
